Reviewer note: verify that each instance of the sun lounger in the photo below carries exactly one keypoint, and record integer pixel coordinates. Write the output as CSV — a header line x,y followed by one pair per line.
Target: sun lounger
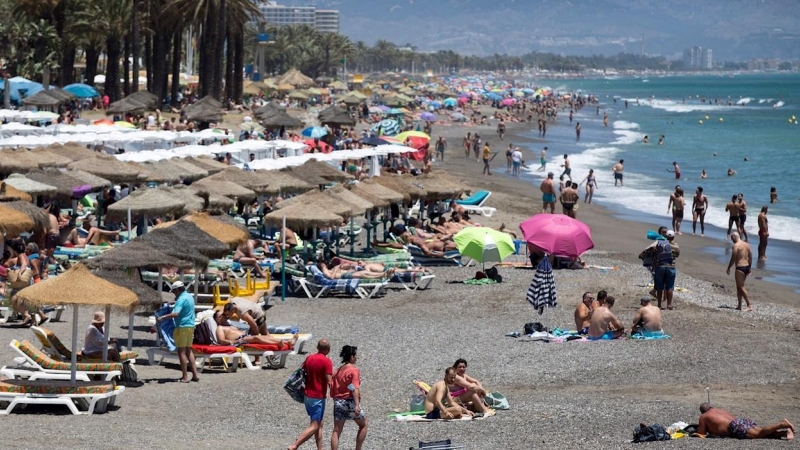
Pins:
x,y
413,281
33,360
82,398
474,204
449,259
53,346
315,285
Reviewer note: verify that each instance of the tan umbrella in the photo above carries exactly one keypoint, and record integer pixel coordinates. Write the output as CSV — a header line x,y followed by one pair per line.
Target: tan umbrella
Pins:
x,y
223,232
30,187
223,188
96,182
72,150
404,184
322,170
337,85
440,186
284,87
41,219
295,78
189,170
47,158
319,201
379,191
184,237
9,193
176,171
252,89
283,182
62,182
17,161
209,164
299,217
134,254
145,202
194,201
249,180
361,203
150,174
108,167
13,222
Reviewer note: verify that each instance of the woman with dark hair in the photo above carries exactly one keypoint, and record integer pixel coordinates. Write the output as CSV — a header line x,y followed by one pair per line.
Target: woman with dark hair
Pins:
x,y
467,389
346,395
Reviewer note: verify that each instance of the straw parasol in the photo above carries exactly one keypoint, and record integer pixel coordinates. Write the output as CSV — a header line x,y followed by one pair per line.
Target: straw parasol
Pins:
x,y
17,161
43,98
170,243
298,95
13,222
62,182
189,171
319,169
207,109
377,190
279,119
360,204
285,87
199,201
28,186
337,85
71,150
134,254
228,220
283,182
246,179
9,193
223,188
270,108
209,164
223,232
145,202
296,78
404,184
108,167
185,236
148,172
300,217
319,201
440,186
96,182
47,158
41,219
147,295
170,169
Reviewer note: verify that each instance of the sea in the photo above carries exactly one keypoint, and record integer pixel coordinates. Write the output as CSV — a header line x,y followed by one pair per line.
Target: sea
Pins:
x,y
749,123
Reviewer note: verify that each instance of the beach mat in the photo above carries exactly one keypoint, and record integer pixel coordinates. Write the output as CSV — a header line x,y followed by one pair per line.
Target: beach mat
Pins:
x,y
415,417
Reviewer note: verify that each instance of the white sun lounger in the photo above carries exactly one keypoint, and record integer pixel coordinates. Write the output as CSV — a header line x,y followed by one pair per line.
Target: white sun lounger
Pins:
x,y
45,367
49,392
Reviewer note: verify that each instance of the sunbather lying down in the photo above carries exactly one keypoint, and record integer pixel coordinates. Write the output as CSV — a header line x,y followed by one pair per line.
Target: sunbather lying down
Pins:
x,y
96,236
338,273
227,334
348,265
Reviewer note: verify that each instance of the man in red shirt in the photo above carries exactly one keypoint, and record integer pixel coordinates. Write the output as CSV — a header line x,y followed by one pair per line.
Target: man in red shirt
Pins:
x,y
319,370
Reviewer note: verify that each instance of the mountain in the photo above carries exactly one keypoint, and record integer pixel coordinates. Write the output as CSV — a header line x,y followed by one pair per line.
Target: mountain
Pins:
x,y
734,29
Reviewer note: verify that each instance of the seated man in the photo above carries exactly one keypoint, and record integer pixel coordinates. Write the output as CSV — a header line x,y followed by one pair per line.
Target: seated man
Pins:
x,y
583,313
468,390
95,340
647,320
249,313
246,256
439,404
339,273
718,422
604,324
96,235
227,334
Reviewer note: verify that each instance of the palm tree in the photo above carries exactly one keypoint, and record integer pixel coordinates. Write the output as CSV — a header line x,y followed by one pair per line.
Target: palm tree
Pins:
x,y
111,18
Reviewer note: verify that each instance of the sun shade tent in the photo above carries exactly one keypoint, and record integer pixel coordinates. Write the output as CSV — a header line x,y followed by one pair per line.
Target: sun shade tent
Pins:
x,y
283,182
13,222
379,191
107,167
299,217
9,193
207,109
135,254
249,180
41,219
296,78
403,184
29,186
145,202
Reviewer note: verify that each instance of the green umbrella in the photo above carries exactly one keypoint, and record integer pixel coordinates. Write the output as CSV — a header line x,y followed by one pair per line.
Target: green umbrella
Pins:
x,y
484,244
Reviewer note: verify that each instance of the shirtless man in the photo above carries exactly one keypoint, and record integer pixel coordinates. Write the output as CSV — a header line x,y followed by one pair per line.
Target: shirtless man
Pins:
x,y
763,234
245,255
618,170
699,208
677,169
742,256
604,324
733,215
677,203
226,334
583,313
567,170
543,160
718,422
340,273
53,233
647,319
439,404
548,189
96,236
742,216
569,197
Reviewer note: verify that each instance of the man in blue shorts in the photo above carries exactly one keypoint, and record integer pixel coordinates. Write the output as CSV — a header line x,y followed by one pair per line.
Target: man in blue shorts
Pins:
x,y
548,189
319,371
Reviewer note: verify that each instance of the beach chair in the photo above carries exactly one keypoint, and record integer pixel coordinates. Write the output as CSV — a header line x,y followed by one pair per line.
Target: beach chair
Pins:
x,y
82,398
451,258
33,364
474,204
316,284
53,346
413,281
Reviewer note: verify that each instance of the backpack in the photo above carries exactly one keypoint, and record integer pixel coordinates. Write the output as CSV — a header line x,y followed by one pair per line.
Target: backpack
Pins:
x,y
664,253
652,433
496,400
202,334
295,385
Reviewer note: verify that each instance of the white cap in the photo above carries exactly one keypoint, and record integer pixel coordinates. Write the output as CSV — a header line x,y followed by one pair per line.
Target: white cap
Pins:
x,y
177,285
670,234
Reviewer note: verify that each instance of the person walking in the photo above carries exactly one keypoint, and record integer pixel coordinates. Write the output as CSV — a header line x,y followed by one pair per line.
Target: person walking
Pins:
x,y
183,313
441,145
487,152
346,395
742,257
763,234
319,371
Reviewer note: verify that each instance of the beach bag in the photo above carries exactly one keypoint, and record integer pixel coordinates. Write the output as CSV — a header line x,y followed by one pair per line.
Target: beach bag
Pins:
x,y
295,386
416,403
202,334
496,400
19,280
533,327
129,374
652,433
492,274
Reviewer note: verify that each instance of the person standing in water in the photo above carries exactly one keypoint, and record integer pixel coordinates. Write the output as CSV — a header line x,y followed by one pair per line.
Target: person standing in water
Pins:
x,y
618,169
543,160
699,207
578,131
677,204
591,183
763,234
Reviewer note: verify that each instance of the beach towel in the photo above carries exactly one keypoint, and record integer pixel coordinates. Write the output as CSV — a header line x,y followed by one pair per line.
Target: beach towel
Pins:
x,y
283,329
650,335
166,328
348,286
411,417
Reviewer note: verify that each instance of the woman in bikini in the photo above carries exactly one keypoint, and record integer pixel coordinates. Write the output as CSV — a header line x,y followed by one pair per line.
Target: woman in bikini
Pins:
x,y
467,390
591,183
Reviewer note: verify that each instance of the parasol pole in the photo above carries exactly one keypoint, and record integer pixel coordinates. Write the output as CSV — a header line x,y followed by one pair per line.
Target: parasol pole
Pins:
x,y
74,360
352,236
130,331
130,223
283,259
160,293
106,332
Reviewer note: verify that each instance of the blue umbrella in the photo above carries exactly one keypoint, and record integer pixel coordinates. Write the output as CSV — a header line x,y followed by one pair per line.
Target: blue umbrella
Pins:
x,y
395,111
427,116
315,132
81,90
450,102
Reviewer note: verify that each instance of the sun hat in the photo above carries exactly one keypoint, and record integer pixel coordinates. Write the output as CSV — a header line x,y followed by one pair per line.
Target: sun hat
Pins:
x,y
99,317
177,285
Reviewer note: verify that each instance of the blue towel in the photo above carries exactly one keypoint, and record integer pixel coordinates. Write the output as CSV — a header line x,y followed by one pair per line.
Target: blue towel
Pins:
x,y
650,335
348,286
283,329
166,328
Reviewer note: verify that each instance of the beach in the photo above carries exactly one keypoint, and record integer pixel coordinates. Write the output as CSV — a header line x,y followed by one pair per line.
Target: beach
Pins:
x,y
562,395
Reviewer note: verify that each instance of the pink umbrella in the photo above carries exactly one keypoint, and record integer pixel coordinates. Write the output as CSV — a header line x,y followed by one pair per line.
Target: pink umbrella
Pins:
x,y
508,101
557,234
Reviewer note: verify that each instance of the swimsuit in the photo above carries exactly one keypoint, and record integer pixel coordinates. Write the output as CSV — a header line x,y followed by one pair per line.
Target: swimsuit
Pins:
x,y
568,206
742,218
607,336
617,175
677,212
738,427
434,414
549,198
590,182
744,269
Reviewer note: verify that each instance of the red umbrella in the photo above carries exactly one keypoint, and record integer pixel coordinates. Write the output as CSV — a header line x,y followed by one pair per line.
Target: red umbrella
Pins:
x,y
320,145
557,234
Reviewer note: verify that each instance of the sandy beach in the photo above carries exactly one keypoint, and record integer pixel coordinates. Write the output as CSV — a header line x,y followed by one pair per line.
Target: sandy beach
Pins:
x,y
561,395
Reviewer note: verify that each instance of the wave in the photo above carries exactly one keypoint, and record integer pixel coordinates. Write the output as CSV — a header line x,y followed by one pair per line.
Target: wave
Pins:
x,y
762,100
625,125
671,106
778,105
626,137
744,101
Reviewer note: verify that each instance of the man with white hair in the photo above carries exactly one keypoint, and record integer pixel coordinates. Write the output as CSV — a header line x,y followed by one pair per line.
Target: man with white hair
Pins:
x,y
742,256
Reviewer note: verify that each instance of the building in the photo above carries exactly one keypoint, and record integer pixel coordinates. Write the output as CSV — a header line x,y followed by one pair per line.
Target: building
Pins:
x,y
698,58
324,20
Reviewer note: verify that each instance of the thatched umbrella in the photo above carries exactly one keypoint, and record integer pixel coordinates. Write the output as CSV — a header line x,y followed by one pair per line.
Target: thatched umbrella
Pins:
x,y
199,201
246,179
300,217
43,99
47,158
138,101
337,85
284,87
269,109
29,186
95,181
227,234
223,188
352,100
108,167
149,173
41,219
62,182
145,202
228,220
280,119
188,171
319,201
209,164
405,184
71,150
296,79
298,95
377,190
147,295
134,255
361,203
440,186
283,182
307,176
170,243
207,109
9,193
187,237
17,161
77,286
13,222
322,170
337,119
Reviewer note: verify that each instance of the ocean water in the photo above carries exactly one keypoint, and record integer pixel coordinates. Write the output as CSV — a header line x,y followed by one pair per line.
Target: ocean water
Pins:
x,y
754,121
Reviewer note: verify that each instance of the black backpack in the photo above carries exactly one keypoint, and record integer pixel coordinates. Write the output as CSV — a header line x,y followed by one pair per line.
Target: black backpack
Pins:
x,y
652,433
202,334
